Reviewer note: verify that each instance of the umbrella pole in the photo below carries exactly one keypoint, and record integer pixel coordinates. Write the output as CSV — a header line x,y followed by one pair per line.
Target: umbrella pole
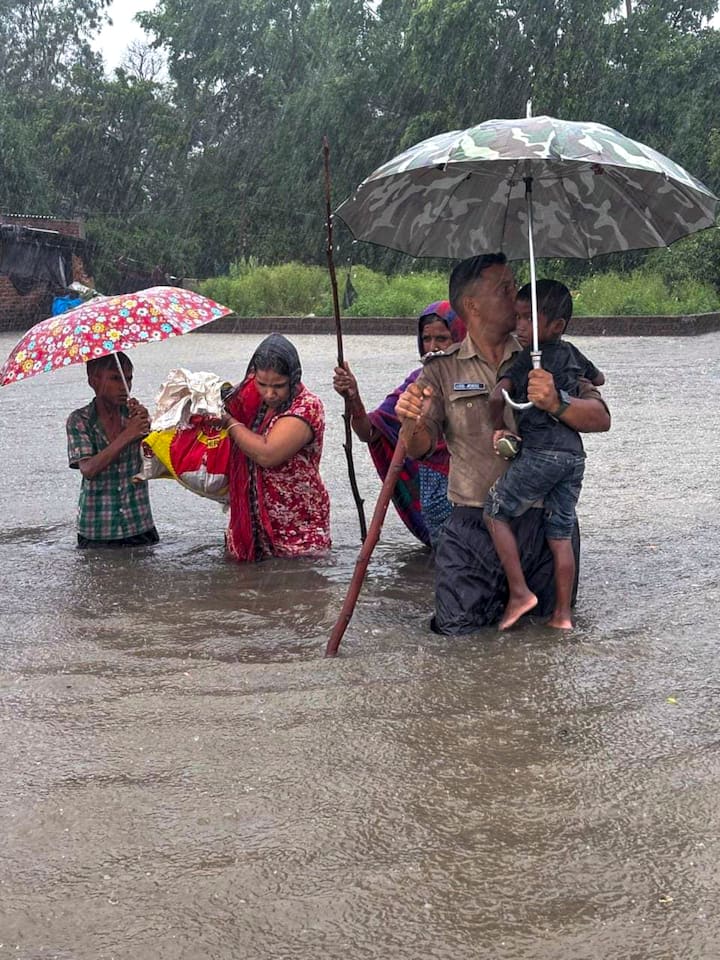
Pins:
x,y
361,564
347,446
122,374
535,353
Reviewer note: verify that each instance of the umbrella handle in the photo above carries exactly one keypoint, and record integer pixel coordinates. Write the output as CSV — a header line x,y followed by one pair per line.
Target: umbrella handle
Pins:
x,y
122,374
535,354
516,406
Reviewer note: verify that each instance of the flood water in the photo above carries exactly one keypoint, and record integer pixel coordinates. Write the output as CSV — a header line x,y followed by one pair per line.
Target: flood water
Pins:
x,y
184,775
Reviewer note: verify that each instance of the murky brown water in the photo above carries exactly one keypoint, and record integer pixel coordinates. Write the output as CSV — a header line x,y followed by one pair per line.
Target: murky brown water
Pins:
x,y
185,776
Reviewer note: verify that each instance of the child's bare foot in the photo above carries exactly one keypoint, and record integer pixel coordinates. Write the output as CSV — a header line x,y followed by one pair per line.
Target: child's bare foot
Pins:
x,y
560,621
517,606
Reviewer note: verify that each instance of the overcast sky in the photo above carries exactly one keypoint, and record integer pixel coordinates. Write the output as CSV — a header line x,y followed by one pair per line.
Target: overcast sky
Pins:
x,y
113,41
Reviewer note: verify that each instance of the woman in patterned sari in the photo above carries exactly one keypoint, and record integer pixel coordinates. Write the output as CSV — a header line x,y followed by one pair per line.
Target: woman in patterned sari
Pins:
x,y
279,506
420,496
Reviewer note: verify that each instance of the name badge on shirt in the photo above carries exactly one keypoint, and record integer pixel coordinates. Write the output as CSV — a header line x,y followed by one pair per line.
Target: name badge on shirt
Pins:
x,y
459,387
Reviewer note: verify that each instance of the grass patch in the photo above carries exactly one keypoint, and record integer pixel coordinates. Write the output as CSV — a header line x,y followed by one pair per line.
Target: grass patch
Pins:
x,y
403,295
299,290
643,293
286,290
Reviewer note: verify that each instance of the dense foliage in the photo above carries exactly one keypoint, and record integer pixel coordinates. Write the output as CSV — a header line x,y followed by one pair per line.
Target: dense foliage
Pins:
x,y
211,155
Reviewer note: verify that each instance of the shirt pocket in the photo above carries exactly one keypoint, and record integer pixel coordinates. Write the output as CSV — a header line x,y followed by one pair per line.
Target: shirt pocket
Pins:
x,y
469,398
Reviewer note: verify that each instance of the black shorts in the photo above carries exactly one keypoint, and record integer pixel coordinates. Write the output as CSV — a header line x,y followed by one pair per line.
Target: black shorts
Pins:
x,y
139,540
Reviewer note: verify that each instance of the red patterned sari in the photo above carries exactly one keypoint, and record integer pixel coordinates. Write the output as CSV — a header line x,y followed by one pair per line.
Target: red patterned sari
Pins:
x,y
281,511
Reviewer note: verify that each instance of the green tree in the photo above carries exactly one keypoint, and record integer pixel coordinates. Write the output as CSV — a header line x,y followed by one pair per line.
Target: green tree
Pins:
x,y
116,145
221,160
24,182
42,40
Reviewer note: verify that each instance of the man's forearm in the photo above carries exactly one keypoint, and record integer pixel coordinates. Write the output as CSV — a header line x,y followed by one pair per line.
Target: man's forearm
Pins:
x,y
587,416
417,438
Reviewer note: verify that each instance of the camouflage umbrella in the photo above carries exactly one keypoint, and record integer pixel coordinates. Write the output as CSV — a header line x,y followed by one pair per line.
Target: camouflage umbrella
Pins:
x,y
534,187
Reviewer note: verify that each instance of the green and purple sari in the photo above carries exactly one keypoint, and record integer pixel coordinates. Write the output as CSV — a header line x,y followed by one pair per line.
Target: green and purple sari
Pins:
x,y
420,496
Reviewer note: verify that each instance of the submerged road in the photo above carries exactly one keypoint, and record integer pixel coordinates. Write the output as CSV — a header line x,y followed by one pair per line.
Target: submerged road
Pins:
x,y
184,776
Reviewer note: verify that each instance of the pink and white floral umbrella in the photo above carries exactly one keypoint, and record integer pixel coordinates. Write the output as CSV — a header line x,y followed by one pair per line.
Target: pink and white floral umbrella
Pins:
x,y
108,325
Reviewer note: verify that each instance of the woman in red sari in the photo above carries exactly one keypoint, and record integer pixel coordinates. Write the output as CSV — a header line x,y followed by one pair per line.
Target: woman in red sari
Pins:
x,y
279,506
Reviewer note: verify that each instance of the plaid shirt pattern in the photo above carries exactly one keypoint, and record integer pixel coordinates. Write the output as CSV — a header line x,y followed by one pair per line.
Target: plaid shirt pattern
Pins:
x,y
111,506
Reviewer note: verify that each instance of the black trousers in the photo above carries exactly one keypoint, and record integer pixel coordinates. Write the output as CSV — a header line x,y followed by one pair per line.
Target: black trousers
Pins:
x,y
139,540
470,585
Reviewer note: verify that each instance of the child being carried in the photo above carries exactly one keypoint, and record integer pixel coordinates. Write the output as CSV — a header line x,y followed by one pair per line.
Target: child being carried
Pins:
x,y
551,462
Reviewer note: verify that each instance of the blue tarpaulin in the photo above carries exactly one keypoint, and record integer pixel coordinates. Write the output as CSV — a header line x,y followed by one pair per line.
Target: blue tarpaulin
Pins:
x,y
61,304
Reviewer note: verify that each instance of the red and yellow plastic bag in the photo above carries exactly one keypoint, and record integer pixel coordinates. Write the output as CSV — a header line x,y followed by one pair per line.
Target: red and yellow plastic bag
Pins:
x,y
196,455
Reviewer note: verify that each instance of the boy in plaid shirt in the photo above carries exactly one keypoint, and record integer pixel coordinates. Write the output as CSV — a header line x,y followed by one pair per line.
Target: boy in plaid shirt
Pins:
x,y
104,444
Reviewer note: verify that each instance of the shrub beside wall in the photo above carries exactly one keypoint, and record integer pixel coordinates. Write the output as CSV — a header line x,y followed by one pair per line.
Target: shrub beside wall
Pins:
x,y
297,290
641,294
286,290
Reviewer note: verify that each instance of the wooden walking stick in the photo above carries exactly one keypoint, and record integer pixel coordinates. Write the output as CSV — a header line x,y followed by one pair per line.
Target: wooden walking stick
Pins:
x,y
361,564
347,446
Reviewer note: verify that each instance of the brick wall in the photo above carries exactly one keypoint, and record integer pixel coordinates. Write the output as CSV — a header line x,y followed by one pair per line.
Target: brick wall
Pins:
x,y
644,326
19,312
407,326
68,228
79,272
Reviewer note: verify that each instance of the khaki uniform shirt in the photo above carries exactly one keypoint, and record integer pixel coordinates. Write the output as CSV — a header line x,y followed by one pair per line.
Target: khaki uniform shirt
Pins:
x,y
462,381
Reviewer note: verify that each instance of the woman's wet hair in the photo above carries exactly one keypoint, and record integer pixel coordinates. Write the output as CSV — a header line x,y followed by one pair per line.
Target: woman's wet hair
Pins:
x,y
467,271
553,299
278,354
109,362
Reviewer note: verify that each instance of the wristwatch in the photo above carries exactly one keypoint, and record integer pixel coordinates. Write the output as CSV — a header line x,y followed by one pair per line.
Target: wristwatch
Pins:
x,y
562,406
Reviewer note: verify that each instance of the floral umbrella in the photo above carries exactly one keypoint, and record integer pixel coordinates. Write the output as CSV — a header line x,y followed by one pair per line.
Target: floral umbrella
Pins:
x,y
107,325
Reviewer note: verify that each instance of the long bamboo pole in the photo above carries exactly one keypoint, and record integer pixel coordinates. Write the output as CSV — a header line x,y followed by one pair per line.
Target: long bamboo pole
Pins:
x,y
347,446
361,564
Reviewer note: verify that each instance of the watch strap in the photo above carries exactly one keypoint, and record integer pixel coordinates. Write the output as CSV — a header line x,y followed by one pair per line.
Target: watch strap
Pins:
x,y
562,406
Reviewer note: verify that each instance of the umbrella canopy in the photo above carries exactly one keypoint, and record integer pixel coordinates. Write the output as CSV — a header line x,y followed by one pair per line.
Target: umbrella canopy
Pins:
x,y
463,193
108,325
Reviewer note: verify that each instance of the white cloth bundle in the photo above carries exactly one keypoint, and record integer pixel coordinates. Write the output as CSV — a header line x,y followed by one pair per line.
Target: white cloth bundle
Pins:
x,y
185,394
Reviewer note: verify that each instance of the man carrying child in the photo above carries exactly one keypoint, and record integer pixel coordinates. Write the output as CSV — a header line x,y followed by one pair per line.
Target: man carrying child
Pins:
x,y
551,462
450,401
